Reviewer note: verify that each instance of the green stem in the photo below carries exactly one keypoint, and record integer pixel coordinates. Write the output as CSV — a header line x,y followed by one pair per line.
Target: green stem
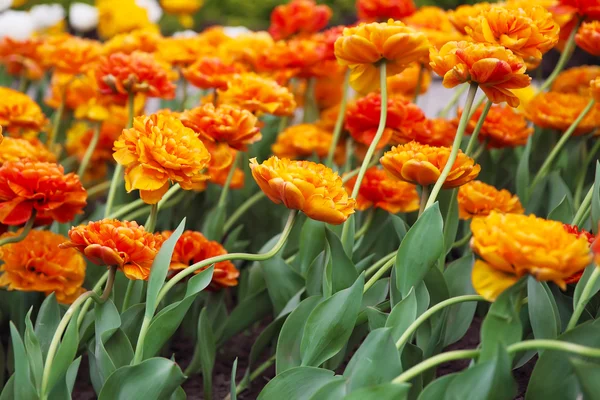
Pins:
x,y
475,134
151,221
23,84
140,212
255,374
433,362
455,98
56,120
462,241
375,267
583,299
339,122
389,264
582,173
128,294
464,119
420,77
184,96
225,190
424,198
366,224
97,189
90,150
354,172
98,290
134,205
563,139
423,317
371,150
310,107
24,232
283,123
564,57
583,208
255,198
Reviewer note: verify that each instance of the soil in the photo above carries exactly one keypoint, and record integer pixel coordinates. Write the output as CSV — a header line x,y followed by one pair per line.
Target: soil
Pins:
x,y
239,347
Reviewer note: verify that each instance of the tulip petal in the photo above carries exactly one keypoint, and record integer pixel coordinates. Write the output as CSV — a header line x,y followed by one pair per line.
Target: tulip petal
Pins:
x,y
490,282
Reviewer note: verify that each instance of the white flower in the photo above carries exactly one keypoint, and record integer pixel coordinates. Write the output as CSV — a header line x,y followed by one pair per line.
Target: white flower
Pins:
x,y
83,17
18,25
5,5
235,31
185,34
153,9
47,15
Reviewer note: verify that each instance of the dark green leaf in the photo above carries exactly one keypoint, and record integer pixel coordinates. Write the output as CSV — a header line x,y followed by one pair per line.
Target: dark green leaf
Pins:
x,y
336,389
245,314
438,389
375,317
66,353
282,281
153,379
523,173
206,351
563,212
298,383
387,391
330,325
178,394
8,392
23,388
46,322
349,242
343,271
399,226
588,375
34,352
596,200
312,243
403,314
375,362
420,249
314,276
543,312
376,294
63,390
459,316
411,356
213,225
132,321
451,222
558,190
232,387
583,282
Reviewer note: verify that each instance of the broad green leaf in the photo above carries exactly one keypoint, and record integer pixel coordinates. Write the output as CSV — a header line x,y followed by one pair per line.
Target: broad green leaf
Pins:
x,y
582,283
23,387
342,270
588,375
558,191
411,356
34,352
365,263
543,312
420,249
66,353
206,351
315,274
288,345
403,314
459,316
232,386
213,225
132,320
523,174
387,391
563,212
178,394
436,286
46,322
336,389
437,389
298,383
245,314
282,281
451,222
376,294
63,390
349,242
159,269
399,226
107,320
375,317
330,325
152,379
596,200
375,362
8,392
312,243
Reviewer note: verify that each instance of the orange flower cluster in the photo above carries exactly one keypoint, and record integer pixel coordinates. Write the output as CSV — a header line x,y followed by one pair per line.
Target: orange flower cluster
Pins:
x,y
423,164
503,127
15,149
576,80
110,242
462,15
298,17
327,39
296,57
403,119
588,37
306,186
574,230
36,264
496,69
257,94
405,83
26,186
223,124
513,245
380,191
477,199
222,159
192,247
69,54
435,23
585,8
122,74
19,114
382,10
211,73
158,150
78,92
246,48
302,140
183,51
364,47
22,57
145,40
595,89
435,132
559,110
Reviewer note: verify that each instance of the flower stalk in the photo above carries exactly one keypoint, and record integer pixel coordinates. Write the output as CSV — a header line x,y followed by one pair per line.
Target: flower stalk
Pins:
x,y
480,122
223,197
241,210
339,122
23,234
564,58
583,299
90,150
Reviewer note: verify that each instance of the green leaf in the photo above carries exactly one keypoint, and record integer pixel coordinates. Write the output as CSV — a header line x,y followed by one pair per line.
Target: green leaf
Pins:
x,y
342,270
152,379
206,350
399,226
437,389
459,316
563,212
411,356
543,312
263,340
330,325
232,387
64,390
376,318
420,249
596,200
376,294
582,283
23,387
375,362
403,315
178,394
8,392
159,269
46,322
288,345
558,190
315,274
451,222
588,375
282,281
312,243
336,389
523,174
107,320
132,320
348,244
247,312
298,383
66,353
34,352
387,391
213,225
502,324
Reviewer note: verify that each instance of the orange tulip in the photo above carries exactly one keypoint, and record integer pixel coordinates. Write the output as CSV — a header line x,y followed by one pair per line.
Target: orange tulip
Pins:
x,y
363,47
22,57
495,69
15,149
405,83
145,40
123,244
559,110
298,17
192,247
462,15
246,48
36,264
382,10
380,191
588,37
576,80
296,57
211,73
503,127
303,140
19,114
70,55
158,150
435,132
327,39
306,186
585,8
435,23
572,229
595,89
182,51
477,199
422,164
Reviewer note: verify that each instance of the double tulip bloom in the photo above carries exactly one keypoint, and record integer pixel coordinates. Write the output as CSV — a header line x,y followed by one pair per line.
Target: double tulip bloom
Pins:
x,y
478,199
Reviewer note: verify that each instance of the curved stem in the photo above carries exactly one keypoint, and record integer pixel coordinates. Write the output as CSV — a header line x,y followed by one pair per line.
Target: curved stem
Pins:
x,y
375,267
435,361
151,221
98,189
24,232
564,57
56,119
439,306
140,212
225,190
389,264
583,208
462,241
97,289
419,82
90,150
457,93
128,294
475,134
366,224
583,299
582,173
339,122
563,139
464,119
424,198
255,198
372,146
134,205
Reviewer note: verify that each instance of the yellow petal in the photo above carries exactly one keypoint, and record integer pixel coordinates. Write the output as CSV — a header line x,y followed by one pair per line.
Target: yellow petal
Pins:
x,y
490,282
